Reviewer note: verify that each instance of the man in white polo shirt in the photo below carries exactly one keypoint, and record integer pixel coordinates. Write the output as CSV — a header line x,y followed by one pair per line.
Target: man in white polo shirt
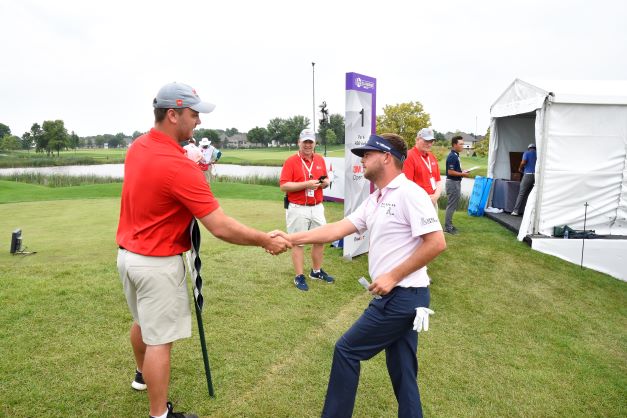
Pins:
x,y
405,235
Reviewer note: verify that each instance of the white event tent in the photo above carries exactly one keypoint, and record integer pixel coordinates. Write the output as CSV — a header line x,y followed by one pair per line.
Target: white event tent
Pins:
x,y
580,130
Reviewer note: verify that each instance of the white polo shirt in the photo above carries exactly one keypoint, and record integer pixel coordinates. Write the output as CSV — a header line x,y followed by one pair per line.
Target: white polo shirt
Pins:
x,y
396,222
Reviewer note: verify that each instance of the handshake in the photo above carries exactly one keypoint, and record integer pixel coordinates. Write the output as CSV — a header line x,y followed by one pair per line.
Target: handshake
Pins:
x,y
278,242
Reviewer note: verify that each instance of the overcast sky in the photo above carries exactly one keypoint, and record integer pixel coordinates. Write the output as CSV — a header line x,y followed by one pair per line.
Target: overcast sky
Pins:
x,y
98,64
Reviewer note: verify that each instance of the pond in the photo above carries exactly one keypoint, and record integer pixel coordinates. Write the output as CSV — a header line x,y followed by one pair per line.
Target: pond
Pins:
x,y
117,171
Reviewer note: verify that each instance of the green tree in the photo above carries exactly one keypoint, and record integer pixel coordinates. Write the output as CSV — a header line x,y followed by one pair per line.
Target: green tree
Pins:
x,y
56,135
323,127
295,125
336,123
330,137
4,130
87,142
41,140
27,141
99,141
258,135
211,134
482,148
440,139
277,130
230,132
10,143
122,139
404,119
136,135
73,141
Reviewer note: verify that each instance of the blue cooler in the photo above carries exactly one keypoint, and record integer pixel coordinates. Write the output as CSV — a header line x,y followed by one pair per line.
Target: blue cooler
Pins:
x,y
479,197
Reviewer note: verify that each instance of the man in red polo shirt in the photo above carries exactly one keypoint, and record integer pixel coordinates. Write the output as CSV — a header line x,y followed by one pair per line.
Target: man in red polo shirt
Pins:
x,y
162,191
303,177
421,166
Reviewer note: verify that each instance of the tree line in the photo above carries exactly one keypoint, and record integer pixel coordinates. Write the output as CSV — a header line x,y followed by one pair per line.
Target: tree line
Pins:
x,y
404,119
280,131
52,136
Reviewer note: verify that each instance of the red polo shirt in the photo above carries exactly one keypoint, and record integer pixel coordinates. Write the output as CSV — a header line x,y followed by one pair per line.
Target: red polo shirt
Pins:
x,y
416,169
297,170
162,191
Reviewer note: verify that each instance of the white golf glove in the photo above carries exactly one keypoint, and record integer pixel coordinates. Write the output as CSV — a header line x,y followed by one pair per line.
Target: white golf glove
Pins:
x,y
422,319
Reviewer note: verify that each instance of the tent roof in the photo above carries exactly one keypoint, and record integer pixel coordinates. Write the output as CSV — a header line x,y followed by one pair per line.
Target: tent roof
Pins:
x,y
526,96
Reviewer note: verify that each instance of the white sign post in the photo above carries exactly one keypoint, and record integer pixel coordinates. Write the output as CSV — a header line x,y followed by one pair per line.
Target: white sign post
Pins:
x,y
360,123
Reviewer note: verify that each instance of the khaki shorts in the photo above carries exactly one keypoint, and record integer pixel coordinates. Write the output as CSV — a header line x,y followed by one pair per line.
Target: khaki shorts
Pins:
x,y
156,295
303,218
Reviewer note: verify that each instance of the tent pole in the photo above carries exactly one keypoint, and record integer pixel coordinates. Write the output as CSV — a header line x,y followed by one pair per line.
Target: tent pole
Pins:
x,y
539,184
583,241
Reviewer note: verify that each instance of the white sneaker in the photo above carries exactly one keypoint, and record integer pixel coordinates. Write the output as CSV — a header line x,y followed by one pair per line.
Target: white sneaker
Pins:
x,y
138,383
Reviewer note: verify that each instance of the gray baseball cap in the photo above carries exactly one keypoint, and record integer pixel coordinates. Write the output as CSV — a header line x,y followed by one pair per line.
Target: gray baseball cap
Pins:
x,y
179,96
426,134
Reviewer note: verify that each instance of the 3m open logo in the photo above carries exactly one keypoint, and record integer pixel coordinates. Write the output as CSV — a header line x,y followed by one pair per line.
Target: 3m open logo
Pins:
x,y
364,84
427,221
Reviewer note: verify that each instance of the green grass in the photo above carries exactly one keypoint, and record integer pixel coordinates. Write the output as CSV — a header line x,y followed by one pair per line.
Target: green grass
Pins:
x,y
12,192
516,333
271,156
57,180
78,157
441,152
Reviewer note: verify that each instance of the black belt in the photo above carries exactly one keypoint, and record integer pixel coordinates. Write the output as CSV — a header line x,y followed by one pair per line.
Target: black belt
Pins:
x,y
306,204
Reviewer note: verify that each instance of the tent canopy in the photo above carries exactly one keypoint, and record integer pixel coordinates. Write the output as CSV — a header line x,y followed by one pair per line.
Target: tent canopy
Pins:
x,y
523,97
580,129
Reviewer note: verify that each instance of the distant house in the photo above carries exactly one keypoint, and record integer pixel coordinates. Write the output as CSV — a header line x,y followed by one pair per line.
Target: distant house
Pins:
x,y
238,140
469,139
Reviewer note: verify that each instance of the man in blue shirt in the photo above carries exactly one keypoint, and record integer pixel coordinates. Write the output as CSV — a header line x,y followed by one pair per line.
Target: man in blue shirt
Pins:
x,y
528,168
454,175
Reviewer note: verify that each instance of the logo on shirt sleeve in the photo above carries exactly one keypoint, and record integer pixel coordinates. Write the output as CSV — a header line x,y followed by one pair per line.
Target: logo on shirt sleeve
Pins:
x,y
428,221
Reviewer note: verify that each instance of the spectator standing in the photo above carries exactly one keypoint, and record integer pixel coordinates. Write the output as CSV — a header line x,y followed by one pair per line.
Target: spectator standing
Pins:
x,y
454,175
421,165
528,169
303,177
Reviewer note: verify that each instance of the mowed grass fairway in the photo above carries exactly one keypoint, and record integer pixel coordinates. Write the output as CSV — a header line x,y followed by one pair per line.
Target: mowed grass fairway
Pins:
x,y
516,333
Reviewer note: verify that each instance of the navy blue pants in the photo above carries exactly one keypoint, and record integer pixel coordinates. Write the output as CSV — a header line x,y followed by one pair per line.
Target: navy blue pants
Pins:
x,y
387,324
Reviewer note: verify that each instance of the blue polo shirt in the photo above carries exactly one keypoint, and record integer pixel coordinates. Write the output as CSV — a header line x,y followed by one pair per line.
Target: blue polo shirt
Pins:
x,y
530,158
452,163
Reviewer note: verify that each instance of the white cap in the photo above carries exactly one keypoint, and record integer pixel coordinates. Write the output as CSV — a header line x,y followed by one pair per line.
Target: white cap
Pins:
x,y
426,134
307,135
204,142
